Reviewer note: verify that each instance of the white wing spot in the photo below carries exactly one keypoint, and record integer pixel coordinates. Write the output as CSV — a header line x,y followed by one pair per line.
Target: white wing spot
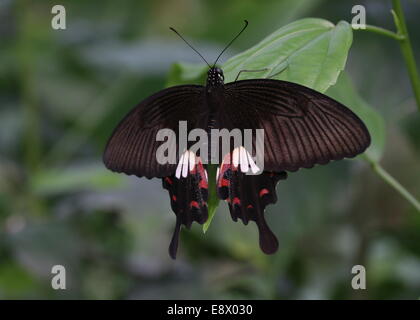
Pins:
x,y
192,160
186,163
242,157
179,167
235,157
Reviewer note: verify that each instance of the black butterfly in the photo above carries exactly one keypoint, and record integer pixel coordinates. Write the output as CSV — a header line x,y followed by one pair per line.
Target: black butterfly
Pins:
x,y
302,127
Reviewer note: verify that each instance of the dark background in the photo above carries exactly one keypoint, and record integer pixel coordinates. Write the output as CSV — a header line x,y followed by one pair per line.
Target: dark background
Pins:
x,y
63,91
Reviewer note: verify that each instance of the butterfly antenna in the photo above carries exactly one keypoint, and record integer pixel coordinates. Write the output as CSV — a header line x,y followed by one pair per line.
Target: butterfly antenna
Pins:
x,y
190,46
244,27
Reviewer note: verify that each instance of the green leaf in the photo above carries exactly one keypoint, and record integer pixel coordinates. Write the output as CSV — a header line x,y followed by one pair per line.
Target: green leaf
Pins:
x,y
186,73
345,92
213,199
312,52
60,180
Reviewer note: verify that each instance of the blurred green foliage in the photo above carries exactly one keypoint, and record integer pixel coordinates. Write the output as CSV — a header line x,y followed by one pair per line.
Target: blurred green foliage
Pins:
x,y
63,91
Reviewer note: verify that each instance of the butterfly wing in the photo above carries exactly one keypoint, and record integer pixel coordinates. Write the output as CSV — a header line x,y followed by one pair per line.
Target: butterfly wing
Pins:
x,y
132,147
302,127
188,194
247,196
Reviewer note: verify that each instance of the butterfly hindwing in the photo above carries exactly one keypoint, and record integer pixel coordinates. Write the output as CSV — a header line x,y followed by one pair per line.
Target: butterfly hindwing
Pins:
x,y
188,192
132,147
247,196
302,127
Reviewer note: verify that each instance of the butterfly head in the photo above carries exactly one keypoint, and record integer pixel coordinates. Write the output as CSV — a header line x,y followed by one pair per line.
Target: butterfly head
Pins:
x,y
215,77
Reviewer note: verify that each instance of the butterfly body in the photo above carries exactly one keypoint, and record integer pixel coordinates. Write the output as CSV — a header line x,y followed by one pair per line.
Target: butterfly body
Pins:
x,y
214,91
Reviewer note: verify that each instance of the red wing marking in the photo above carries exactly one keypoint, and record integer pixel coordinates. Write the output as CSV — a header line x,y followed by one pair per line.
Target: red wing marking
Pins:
x,y
236,200
263,192
194,204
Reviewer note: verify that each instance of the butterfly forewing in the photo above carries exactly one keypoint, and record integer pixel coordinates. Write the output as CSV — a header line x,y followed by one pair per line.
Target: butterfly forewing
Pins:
x,y
302,127
132,147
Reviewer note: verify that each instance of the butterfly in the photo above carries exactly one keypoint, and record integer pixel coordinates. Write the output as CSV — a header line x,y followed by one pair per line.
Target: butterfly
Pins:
x,y
302,128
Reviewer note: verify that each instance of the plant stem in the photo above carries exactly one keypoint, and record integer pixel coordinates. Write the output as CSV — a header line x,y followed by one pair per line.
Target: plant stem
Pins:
x,y
31,117
383,31
213,200
396,185
406,49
